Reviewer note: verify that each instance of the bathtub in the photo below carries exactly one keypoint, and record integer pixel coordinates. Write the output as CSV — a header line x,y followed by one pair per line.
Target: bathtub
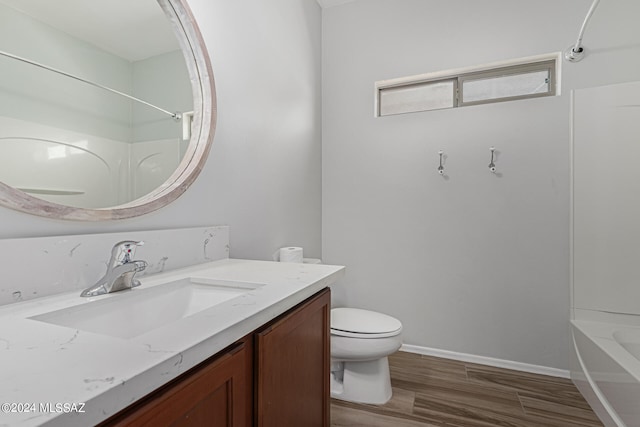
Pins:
x,y
606,368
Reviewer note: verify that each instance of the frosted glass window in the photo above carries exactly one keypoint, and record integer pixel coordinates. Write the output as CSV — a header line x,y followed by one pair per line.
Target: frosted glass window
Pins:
x,y
417,97
506,86
475,85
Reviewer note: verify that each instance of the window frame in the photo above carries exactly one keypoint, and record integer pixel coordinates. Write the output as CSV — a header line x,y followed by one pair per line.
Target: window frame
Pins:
x,y
548,62
512,70
454,95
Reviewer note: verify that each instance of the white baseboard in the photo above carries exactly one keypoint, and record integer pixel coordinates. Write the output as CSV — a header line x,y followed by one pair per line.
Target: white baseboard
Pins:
x,y
490,361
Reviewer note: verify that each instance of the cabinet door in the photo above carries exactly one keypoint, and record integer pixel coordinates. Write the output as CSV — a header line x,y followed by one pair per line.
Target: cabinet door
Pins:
x,y
292,367
216,393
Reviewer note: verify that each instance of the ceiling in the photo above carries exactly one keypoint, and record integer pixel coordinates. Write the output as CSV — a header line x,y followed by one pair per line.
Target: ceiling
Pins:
x,y
132,30
331,3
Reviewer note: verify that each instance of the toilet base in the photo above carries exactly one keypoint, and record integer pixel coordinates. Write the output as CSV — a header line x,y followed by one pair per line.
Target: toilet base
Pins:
x,y
362,382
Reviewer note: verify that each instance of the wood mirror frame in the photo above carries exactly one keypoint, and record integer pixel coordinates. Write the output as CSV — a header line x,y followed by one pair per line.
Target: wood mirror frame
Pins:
x,y
203,129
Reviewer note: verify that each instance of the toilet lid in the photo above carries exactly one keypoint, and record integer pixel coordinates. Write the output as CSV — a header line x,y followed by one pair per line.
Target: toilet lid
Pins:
x,y
354,321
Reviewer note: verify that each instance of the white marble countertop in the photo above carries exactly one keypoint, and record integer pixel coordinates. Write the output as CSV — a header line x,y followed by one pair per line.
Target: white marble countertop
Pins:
x,y
50,371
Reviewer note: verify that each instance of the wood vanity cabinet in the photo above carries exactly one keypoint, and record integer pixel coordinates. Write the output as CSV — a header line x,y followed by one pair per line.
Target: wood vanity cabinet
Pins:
x,y
215,393
292,358
277,376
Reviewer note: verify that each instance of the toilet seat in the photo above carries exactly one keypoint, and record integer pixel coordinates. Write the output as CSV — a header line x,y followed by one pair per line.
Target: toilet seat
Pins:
x,y
358,323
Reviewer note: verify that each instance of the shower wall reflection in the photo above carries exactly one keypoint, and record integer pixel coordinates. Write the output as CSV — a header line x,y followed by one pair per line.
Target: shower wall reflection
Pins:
x,y
67,142
78,169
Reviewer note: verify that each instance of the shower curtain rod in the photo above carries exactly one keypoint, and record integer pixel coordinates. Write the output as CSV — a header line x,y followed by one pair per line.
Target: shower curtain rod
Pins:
x,y
176,115
575,53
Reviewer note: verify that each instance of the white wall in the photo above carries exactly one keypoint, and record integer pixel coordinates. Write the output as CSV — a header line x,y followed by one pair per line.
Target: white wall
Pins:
x,y
477,263
263,174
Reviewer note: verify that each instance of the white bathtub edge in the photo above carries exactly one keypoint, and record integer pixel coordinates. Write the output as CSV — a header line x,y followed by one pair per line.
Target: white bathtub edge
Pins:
x,y
592,393
490,361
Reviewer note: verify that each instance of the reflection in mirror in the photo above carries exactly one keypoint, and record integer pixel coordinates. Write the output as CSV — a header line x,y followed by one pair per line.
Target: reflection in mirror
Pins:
x,y
94,101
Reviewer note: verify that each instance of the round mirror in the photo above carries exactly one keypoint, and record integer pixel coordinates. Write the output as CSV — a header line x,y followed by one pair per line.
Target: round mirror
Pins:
x,y
105,112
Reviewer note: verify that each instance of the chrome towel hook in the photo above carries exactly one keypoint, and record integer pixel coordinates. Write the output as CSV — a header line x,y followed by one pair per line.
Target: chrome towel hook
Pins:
x,y
441,168
492,165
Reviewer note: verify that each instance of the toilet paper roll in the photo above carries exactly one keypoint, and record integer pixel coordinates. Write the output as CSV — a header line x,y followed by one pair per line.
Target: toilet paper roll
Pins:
x,y
291,254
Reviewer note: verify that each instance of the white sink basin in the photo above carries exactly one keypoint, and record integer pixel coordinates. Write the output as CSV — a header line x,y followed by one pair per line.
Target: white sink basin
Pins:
x,y
127,314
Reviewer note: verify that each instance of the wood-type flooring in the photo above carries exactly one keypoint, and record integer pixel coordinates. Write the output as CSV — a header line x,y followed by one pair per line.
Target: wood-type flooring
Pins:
x,y
435,392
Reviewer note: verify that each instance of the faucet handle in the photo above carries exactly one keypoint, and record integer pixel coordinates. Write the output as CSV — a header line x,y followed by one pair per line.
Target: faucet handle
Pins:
x,y
123,252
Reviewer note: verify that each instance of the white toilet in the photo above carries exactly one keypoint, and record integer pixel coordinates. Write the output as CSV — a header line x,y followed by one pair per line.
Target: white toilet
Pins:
x,y
361,340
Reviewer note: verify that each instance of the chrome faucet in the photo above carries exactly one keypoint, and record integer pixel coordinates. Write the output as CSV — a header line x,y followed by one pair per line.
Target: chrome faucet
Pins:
x,y
120,270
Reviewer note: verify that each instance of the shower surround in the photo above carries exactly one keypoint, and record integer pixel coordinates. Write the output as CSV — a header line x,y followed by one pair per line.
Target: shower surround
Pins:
x,y
605,234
